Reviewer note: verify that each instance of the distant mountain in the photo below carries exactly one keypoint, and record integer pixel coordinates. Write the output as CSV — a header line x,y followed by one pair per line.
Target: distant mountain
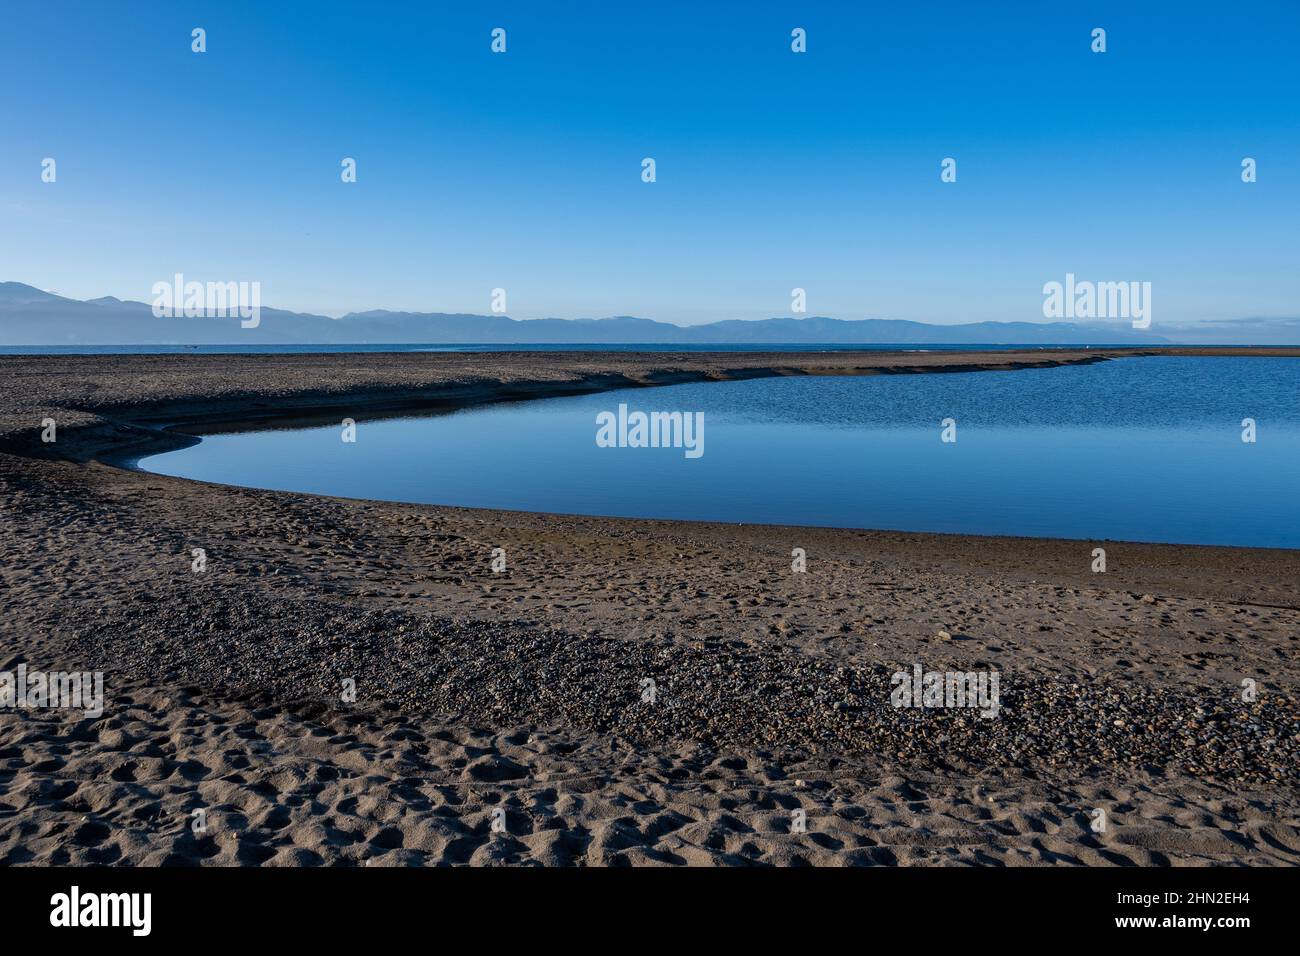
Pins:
x,y
1279,331
29,316
819,330
15,293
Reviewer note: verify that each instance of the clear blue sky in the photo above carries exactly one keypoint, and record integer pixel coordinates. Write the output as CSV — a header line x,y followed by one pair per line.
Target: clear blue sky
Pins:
x,y
775,170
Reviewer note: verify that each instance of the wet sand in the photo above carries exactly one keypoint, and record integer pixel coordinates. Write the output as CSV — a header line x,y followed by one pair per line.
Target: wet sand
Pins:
x,y
482,692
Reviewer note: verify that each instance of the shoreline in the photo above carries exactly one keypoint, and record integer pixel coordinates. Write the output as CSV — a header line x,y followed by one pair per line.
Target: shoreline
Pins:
x,y
1121,690
168,429
137,426
159,422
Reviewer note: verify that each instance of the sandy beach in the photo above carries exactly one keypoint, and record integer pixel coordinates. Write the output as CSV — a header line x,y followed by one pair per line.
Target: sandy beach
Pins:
x,y
523,692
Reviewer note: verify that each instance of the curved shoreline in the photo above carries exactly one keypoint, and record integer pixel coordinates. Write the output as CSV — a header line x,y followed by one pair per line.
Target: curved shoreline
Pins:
x,y
121,428
157,426
167,431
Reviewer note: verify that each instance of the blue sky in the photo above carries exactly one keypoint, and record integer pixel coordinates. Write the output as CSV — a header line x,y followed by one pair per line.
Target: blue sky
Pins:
x,y
775,170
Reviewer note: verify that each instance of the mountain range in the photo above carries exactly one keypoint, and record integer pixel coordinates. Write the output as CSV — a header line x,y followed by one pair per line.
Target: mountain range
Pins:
x,y
29,316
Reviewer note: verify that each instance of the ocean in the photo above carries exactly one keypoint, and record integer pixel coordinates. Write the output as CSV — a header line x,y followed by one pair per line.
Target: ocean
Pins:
x,y
1195,450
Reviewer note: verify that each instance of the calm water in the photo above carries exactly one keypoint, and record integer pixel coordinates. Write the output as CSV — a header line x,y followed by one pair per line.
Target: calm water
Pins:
x,y
1143,449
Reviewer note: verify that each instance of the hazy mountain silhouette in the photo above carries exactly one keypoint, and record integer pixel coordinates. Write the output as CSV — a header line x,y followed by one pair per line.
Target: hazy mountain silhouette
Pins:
x,y
29,316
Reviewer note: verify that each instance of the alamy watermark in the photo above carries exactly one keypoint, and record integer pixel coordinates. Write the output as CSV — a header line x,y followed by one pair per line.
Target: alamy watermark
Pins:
x,y
977,690
74,908
208,300
626,429
1098,300
75,690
